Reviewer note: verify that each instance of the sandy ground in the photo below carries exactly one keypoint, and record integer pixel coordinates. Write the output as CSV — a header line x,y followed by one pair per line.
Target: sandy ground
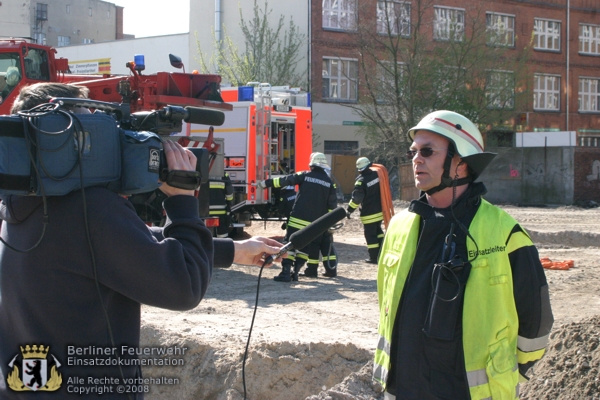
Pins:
x,y
315,338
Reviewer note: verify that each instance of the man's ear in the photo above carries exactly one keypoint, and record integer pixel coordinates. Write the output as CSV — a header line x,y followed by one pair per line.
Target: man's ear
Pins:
x,y
463,165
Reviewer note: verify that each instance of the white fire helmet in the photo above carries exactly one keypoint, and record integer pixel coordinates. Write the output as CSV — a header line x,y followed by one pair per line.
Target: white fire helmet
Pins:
x,y
362,163
318,160
12,76
463,133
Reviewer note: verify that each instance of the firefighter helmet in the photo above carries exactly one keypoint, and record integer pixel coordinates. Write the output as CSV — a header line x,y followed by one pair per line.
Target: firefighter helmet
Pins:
x,y
362,163
461,132
12,76
318,160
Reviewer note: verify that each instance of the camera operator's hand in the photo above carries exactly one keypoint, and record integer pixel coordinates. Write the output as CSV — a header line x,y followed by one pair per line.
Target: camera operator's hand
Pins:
x,y
254,251
178,158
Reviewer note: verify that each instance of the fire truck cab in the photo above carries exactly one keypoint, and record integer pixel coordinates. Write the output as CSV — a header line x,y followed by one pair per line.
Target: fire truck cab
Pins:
x,y
267,134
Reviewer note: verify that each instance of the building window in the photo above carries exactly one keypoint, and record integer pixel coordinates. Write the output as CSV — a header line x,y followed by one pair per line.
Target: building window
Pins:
x,y
589,141
546,92
64,41
40,38
108,14
347,147
68,9
589,39
340,78
546,35
500,29
41,12
339,14
393,17
90,11
589,95
87,41
500,90
449,23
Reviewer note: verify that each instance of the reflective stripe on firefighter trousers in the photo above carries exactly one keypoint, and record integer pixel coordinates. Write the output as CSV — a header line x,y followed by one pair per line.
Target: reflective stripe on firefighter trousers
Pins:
x,y
369,219
490,349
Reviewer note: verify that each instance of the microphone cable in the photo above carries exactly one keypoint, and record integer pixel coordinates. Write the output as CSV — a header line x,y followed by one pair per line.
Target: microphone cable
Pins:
x,y
251,326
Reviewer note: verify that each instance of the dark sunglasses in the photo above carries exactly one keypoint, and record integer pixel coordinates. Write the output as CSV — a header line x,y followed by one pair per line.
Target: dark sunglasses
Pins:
x,y
425,152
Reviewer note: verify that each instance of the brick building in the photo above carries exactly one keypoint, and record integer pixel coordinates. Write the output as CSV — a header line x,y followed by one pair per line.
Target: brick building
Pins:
x,y
562,68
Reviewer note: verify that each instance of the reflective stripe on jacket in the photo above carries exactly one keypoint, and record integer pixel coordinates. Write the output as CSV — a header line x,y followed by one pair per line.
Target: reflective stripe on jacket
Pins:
x,y
491,345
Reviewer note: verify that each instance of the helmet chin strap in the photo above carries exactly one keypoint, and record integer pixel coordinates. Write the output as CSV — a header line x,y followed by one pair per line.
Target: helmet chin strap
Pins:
x,y
446,180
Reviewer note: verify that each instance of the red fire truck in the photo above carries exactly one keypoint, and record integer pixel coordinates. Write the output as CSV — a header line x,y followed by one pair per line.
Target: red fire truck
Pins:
x,y
267,130
267,134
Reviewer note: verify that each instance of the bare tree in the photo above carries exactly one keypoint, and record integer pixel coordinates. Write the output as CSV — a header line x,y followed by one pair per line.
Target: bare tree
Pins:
x,y
466,68
270,54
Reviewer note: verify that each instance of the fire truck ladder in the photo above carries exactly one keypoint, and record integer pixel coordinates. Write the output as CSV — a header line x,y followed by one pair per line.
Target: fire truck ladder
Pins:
x,y
267,147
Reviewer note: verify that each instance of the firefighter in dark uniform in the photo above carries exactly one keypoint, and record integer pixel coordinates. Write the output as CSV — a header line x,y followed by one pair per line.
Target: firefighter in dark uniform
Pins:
x,y
366,194
287,197
221,200
316,196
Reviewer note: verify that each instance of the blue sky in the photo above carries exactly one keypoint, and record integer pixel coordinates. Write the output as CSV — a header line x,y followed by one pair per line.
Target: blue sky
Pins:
x,y
154,17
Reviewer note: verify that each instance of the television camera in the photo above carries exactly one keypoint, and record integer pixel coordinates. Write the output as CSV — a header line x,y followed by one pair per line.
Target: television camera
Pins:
x,y
52,150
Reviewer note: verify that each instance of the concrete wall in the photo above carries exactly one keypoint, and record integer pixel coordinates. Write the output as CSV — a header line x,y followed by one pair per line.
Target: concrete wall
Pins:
x,y
77,23
155,49
335,122
14,18
531,175
535,176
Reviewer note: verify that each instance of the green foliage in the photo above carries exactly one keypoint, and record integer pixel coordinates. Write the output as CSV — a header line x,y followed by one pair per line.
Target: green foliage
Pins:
x,y
270,54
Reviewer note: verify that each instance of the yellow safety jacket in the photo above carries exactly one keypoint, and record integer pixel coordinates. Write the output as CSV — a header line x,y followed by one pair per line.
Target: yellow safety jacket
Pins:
x,y
492,347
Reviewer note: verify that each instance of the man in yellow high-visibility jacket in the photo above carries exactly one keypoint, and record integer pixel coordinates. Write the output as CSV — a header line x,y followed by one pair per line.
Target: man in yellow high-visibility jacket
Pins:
x,y
464,304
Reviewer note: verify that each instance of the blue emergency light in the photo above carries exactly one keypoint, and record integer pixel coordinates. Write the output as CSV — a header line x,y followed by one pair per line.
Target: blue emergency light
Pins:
x,y
245,93
140,64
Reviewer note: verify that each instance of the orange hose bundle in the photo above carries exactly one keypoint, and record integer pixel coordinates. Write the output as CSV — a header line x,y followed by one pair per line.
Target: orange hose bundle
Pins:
x,y
387,206
560,265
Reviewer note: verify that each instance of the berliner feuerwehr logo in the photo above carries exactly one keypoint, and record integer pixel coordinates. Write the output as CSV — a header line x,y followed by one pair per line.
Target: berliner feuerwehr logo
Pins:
x,y
34,370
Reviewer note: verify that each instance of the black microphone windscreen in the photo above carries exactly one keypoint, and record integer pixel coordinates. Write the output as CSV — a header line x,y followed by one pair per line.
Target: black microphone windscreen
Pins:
x,y
304,236
203,116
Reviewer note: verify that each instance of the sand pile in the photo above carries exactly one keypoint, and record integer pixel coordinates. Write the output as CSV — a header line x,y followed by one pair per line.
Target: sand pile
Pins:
x,y
273,371
569,370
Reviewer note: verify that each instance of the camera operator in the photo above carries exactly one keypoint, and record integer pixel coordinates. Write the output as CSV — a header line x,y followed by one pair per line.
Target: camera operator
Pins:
x,y
82,286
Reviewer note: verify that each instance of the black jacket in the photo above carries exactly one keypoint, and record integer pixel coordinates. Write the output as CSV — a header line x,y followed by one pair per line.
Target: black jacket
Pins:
x,y
62,293
316,195
366,193
427,367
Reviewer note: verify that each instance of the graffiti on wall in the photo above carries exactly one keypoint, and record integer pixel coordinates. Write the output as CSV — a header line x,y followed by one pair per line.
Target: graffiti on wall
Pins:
x,y
595,171
514,173
552,174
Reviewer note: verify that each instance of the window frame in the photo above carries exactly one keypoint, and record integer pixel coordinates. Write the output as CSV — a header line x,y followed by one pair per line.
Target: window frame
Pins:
x,y
489,87
336,14
41,11
401,23
498,31
537,36
546,92
341,78
62,42
347,147
595,94
450,26
591,40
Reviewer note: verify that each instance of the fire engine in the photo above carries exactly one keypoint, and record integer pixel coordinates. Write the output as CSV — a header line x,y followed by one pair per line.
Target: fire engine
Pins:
x,y
267,130
267,134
